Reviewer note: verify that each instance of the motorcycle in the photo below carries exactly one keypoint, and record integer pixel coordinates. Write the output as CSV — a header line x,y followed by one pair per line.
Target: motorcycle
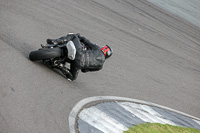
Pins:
x,y
54,55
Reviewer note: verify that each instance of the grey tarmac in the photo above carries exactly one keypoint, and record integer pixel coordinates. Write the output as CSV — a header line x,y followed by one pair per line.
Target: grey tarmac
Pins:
x,y
156,59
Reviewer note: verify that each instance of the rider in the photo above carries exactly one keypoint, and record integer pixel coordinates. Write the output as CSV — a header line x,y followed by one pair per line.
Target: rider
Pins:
x,y
91,59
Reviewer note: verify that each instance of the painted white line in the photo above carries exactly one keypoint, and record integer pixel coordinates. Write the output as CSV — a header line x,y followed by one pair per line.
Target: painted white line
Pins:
x,y
101,121
158,116
196,121
136,113
145,113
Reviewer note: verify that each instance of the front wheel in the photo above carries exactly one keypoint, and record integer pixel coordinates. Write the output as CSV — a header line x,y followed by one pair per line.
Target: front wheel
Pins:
x,y
45,53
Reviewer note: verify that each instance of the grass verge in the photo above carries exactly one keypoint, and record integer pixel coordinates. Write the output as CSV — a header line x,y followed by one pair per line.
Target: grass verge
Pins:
x,y
160,128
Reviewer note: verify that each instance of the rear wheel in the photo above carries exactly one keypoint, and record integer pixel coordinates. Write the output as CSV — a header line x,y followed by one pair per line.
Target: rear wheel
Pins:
x,y
45,53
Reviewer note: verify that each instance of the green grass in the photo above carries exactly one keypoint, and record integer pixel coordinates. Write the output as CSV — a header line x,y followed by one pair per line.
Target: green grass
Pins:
x,y
160,128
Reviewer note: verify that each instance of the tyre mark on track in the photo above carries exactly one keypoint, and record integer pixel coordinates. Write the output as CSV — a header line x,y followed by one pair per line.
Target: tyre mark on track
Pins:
x,y
24,49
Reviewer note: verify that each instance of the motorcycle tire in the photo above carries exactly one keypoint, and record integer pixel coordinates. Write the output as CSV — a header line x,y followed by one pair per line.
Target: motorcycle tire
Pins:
x,y
45,53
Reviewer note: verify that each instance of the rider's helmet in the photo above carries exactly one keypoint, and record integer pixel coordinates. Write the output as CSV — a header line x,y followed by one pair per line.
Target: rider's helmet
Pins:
x,y
107,50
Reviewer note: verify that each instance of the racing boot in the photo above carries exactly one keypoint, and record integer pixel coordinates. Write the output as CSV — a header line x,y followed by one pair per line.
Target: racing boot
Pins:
x,y
67,73
51,41
61,40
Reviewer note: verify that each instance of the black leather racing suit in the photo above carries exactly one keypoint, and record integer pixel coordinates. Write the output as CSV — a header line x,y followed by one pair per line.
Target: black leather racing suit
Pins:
x,y
87,60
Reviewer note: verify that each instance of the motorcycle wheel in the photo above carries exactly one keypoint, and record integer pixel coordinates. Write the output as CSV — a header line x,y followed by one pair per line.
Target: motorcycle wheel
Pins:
x,y
45,53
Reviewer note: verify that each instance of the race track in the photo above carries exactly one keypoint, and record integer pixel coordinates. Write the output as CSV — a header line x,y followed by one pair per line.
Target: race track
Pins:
x,y
156,59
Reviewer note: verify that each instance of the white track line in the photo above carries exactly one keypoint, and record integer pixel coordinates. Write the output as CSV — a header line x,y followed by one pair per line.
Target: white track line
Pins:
x,y
145,113
101,121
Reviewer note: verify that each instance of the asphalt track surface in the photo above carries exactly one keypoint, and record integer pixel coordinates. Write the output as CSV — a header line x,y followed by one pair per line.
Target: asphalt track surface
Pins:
x,y
156,59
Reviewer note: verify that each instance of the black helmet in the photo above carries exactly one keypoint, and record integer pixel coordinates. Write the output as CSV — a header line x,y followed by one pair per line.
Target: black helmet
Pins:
x,y
107,50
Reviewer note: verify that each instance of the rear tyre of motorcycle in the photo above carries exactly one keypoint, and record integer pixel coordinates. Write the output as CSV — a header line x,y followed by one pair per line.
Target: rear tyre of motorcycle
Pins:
x,y
45,53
